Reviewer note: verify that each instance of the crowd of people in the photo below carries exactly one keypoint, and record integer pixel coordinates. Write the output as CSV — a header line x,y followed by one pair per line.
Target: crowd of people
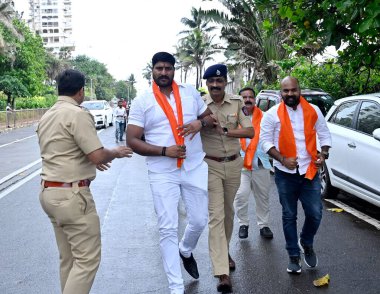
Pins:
x,y
211,151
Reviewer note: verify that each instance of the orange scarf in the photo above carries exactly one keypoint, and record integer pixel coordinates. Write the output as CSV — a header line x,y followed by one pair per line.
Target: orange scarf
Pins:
x,y
287,142
257,115
162,100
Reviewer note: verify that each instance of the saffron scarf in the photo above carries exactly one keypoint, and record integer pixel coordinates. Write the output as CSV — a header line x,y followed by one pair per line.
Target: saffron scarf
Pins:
x,y
257,115
162,100
287,142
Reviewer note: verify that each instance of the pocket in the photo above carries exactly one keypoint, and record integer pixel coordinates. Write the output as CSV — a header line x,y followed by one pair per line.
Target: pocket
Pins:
x,y
232,121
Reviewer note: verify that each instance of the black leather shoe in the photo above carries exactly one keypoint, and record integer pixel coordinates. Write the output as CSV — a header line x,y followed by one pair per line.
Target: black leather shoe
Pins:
x,y
231,263
266,233
190,265
243,232
224,284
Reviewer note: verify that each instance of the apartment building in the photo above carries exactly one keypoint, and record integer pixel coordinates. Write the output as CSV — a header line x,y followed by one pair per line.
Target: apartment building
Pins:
x,y
51,19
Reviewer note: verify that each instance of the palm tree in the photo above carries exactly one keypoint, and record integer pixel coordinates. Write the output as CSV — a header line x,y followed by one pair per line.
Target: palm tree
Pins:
x,y
249,33
147,73
197,22
7,15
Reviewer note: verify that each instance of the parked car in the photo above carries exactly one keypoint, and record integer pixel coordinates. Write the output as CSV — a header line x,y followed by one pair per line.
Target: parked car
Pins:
x,y
354,162
101,111
267,98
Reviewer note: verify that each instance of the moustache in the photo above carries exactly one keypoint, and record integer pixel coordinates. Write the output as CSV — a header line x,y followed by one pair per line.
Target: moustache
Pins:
x,y
248,103
215,88
163,77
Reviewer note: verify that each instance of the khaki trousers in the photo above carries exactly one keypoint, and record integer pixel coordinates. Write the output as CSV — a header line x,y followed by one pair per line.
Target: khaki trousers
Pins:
x,y
258,183
223,183
77,230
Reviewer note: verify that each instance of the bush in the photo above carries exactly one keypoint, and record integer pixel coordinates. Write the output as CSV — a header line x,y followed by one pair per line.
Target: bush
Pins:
x,y
35,102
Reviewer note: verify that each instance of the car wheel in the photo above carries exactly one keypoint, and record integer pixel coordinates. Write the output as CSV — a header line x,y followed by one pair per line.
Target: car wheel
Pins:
x,y
327,190
111,123
105,123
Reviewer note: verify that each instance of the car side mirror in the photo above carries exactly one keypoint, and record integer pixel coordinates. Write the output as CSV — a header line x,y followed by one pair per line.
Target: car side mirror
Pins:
x,y
376,134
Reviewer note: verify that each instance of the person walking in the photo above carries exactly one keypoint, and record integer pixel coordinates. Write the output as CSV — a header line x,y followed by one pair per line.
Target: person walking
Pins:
x,y
222,148
289,133
120,119
70,151
255,175
167,114
9,112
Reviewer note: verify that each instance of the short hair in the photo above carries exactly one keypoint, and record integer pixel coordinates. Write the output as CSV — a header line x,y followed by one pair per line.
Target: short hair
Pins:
x,y
164,57
70,81
246,89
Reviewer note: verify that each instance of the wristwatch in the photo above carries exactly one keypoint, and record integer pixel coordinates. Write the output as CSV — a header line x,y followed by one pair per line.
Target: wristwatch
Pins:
x,y
225,131
325,154
203,123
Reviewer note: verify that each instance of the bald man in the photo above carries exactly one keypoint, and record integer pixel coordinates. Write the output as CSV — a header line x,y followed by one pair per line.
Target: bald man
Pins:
x,y
288,134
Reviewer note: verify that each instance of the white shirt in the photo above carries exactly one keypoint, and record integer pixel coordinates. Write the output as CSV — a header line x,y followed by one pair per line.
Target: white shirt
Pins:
x,y
270,130
120,113
145,112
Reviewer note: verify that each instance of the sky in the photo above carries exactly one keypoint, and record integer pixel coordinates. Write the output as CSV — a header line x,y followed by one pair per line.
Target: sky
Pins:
x,y
124,35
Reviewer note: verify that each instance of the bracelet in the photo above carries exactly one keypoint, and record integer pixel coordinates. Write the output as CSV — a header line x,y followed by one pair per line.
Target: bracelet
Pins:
x,y
163,152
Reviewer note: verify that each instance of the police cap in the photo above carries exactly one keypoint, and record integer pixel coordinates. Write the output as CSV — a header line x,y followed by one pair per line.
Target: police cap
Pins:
x,y
216,70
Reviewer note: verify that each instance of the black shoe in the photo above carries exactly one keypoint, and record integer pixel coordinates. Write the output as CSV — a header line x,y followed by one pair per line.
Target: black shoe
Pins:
x,y
294,266
310,258
266,233
243,232
231,263
224,284
190,265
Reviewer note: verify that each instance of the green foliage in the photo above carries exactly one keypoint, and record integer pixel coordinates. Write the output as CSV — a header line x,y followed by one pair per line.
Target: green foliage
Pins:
x,y
12,87
36,102
97,77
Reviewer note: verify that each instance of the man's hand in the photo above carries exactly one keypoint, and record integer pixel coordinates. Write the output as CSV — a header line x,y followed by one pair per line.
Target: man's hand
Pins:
x,y
320,160
123,151
103,166
191,128
290,162
218,127
176,151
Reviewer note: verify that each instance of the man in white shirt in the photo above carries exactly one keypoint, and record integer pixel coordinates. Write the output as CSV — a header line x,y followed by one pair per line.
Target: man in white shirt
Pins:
x,y
166,114
120,116
288,132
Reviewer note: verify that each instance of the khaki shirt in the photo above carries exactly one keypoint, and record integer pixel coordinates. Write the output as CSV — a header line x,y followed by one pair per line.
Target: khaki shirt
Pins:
x,y
230,115
66,133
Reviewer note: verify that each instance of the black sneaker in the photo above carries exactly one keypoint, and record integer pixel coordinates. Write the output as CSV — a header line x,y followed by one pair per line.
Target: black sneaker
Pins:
x,y
190,265
294,266
309,256
243,232
266,233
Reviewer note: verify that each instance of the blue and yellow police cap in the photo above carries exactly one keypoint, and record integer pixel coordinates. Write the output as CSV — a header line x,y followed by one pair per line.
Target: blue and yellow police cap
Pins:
x,y
216,70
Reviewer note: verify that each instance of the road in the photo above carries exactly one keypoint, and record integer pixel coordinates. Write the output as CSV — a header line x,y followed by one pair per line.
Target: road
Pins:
x,y
347,247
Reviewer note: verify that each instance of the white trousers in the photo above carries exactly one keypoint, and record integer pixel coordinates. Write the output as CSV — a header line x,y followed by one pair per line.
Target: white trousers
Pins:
x,y
256,182
167,188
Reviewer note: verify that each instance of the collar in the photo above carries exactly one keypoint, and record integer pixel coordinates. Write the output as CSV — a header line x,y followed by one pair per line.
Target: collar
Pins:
x,y
180,85
227,98
68,99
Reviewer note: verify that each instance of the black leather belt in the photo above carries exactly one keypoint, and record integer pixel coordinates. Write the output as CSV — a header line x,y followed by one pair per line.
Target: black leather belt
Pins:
x,y
223,159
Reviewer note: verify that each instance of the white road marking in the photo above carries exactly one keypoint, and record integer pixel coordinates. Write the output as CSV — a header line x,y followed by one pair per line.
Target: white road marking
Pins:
x,y
18,140
356,213
19,184
15,173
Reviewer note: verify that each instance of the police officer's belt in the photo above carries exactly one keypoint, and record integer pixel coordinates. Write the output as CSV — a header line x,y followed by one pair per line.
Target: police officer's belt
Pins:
x,y
81,183
223,159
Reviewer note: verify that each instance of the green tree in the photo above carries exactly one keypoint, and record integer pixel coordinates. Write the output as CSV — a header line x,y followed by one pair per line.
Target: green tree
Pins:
x,y
121,89
98,80
12,88
147,73
130,87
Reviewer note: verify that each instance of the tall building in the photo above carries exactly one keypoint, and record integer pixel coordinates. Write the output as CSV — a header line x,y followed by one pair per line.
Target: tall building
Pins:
x,y
51,19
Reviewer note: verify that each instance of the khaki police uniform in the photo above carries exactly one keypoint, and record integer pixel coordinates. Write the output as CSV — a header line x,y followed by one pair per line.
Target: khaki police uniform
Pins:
x,y
66,134
225,164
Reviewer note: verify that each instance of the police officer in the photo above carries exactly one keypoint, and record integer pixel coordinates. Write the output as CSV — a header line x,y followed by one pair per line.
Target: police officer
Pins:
x,y
70,151
222,148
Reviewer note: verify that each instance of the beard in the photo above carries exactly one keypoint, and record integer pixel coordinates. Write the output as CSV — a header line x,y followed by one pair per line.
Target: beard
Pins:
x,y
291,101
164,81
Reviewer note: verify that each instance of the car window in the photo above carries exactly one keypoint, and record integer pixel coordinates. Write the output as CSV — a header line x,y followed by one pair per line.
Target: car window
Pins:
x,y
324,102
263,104
93,105
344,114
271,103
369,117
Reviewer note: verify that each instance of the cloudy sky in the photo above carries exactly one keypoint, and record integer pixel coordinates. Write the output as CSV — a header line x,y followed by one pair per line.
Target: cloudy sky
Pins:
x,y
125,34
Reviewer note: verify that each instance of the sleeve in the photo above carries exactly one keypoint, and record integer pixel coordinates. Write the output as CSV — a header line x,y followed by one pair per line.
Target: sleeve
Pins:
x,y
322,129
200,102
267,128
244,120
136,114
84,132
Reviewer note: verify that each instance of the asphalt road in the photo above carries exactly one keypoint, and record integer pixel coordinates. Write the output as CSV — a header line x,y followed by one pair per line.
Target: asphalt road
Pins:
x,y
347,247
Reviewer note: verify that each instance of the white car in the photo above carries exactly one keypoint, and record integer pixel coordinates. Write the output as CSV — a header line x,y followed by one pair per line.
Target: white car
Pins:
x,y
354,161
101,111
